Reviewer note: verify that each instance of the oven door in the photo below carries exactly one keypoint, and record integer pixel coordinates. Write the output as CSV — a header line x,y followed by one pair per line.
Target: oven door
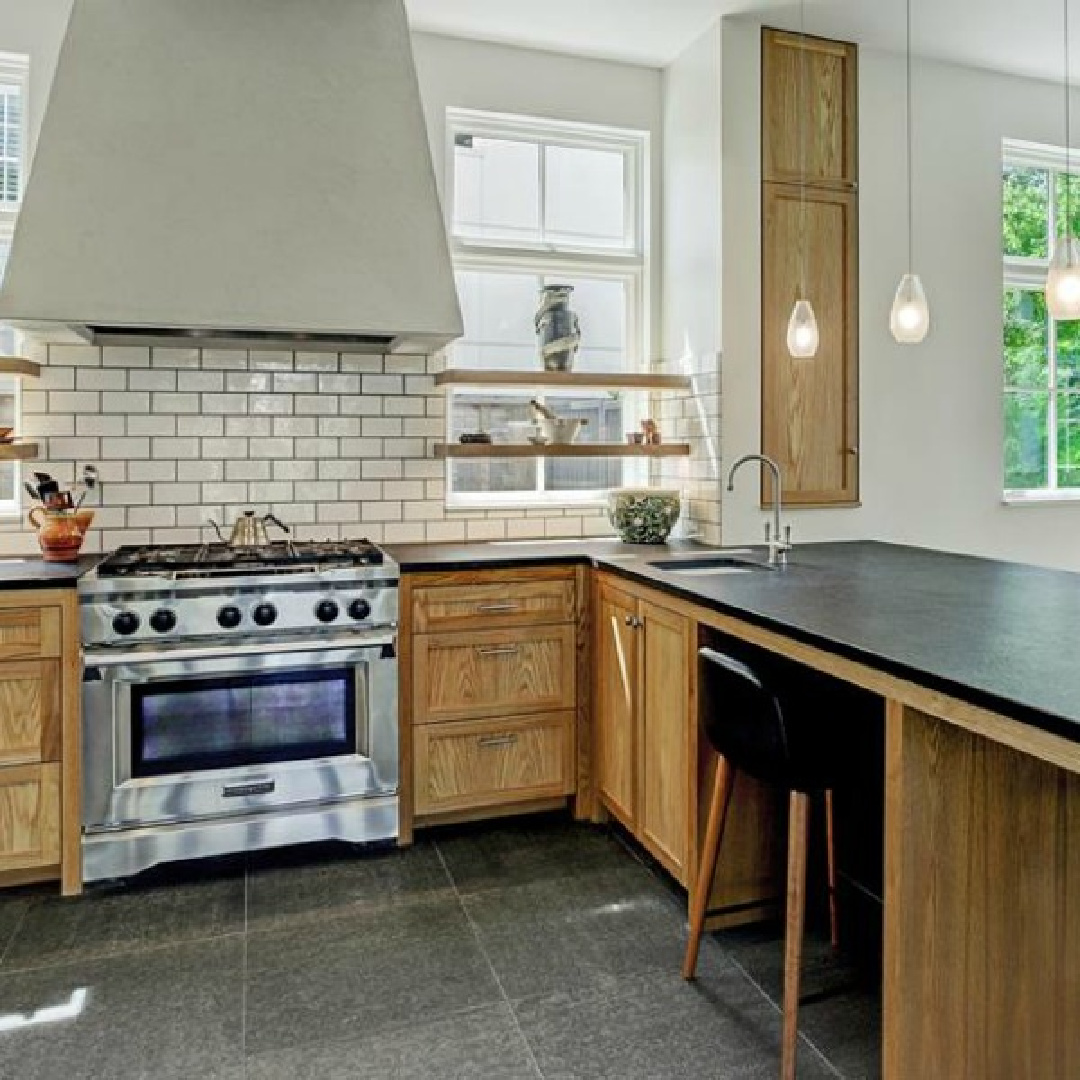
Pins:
x,y
200,733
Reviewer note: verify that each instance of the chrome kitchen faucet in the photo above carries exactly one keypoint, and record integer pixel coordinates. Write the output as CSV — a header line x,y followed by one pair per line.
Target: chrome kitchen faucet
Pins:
x,y
779,546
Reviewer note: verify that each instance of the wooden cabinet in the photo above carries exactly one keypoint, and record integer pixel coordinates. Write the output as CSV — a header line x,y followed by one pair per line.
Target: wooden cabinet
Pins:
x,y
809,239
644,724
489,692
39,738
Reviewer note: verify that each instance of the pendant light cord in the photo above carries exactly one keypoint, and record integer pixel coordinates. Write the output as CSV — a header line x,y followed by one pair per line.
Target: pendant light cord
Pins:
x,y
802,149
1068,231
910,154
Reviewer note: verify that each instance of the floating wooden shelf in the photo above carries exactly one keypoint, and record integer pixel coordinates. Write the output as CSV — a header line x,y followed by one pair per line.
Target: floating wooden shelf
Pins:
x,y
560,450
18,365
18,451
566,380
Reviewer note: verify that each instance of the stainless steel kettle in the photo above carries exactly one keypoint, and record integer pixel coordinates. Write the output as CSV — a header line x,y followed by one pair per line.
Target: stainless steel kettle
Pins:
x,y
249,530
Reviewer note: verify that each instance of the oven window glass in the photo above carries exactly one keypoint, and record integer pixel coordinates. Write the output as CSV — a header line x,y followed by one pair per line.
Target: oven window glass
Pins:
x,y
188,725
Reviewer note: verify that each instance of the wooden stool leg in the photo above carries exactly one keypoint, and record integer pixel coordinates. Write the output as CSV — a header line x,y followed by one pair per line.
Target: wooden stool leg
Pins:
x,y
830,851
723,786
798,833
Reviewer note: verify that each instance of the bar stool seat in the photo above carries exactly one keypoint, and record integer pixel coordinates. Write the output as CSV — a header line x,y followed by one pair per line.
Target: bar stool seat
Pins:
x,y
780,723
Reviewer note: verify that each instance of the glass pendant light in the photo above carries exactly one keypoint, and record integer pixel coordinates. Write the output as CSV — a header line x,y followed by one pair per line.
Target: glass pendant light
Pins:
x,y
803,337
909,320
1063,279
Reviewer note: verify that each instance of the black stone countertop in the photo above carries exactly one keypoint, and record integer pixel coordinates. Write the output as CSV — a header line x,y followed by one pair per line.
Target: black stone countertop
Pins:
x,y
997,634
32,573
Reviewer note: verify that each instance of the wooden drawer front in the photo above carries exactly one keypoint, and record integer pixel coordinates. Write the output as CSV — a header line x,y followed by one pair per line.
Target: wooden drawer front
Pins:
x,y
30,711
480,607
500,673
29,816
29,632
491,762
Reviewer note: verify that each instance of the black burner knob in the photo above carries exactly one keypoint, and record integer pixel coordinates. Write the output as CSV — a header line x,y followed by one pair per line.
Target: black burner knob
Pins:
x,y
163,620
127,622
229,617
359,609
327,610
264,615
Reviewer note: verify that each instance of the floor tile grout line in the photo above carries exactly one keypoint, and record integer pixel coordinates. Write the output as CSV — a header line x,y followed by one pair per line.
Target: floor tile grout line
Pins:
x,y
244,972
14,933
768,997
491,967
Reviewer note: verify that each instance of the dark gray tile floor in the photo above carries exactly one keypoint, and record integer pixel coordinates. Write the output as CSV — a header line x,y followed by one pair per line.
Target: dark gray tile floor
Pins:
x,y
536,949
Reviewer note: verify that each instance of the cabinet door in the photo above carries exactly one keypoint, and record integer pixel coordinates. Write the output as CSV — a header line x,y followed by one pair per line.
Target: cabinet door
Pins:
x,y
29,711
615,700
29,816
666,737
808,109
809,408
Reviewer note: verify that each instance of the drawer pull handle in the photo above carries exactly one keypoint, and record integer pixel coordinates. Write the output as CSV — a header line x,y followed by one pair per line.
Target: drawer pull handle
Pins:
x,y
494,609
499,650
494,742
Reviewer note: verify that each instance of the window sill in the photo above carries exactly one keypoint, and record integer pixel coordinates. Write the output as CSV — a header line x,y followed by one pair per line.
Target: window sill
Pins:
x,y
1041,498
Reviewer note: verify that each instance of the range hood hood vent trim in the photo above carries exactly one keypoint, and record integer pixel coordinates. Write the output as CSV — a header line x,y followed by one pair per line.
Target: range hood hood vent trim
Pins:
x,y
236,174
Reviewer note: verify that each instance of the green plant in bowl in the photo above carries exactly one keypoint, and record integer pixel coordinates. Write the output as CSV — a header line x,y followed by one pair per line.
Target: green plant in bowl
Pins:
x,y
644,515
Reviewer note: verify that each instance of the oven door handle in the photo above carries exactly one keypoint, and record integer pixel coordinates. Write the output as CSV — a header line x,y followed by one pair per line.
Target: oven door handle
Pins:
x,y
385,646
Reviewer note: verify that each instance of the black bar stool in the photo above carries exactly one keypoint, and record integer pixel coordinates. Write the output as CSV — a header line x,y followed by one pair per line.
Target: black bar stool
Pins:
x,y
778,726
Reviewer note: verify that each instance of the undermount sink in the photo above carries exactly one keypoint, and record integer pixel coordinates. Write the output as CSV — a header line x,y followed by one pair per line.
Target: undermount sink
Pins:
x,y
710,564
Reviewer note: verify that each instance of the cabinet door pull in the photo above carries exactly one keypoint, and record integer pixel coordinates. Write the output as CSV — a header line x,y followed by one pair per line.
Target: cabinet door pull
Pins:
x,y
633,622
493,609
499,650
493,742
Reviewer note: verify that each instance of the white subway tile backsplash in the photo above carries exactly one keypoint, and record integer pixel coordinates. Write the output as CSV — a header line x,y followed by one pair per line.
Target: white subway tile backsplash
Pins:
x,y
175,403
94,423
242,469
126,449
200,382
315,405
182,446
336,445
296,383
153,379
203,470
103,378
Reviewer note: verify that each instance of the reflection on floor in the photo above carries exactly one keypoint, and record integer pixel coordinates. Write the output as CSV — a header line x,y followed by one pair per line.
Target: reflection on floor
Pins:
x,y
536,949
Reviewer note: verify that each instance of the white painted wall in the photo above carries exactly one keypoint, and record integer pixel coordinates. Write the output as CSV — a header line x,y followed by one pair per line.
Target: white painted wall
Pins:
x,y
931,416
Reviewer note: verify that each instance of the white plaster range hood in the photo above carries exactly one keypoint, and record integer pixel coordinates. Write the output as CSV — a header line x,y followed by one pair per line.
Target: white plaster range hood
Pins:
x,y
234,172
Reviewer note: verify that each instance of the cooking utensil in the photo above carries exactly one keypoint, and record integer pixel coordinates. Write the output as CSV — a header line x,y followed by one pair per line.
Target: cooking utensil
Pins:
x,y
249,530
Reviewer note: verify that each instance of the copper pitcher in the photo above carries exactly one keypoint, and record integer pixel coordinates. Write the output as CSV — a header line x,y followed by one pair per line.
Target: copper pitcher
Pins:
x,y
60,533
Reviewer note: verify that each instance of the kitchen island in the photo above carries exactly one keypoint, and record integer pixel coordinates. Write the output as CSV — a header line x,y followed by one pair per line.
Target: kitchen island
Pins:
x,y
982,697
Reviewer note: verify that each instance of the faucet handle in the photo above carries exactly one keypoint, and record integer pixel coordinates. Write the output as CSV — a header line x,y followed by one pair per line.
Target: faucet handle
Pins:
x,y
768,532
787,535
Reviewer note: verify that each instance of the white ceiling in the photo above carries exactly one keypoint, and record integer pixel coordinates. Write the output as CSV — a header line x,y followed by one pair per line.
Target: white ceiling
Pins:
x,y
1019,36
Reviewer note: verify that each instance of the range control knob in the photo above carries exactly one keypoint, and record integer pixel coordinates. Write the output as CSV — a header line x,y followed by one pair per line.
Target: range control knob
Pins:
x,y
127,622
327,610
359,609
264,615
163,620
229,617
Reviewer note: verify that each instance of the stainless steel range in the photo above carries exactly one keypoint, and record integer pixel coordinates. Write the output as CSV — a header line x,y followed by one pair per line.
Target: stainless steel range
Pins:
x,y
235,699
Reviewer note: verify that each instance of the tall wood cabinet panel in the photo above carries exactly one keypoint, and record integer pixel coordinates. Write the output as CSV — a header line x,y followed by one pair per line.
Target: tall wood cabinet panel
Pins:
x,y
810,236
810,408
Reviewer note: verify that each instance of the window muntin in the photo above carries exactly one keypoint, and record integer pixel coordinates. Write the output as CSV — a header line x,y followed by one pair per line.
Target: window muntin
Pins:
x,y
534,203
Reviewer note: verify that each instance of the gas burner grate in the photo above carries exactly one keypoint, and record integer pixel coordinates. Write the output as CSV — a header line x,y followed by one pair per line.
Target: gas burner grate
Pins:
x,y
281,556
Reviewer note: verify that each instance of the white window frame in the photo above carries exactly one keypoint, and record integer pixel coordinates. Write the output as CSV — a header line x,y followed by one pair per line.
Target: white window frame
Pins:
x,y
15,68
630,266
1029,274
